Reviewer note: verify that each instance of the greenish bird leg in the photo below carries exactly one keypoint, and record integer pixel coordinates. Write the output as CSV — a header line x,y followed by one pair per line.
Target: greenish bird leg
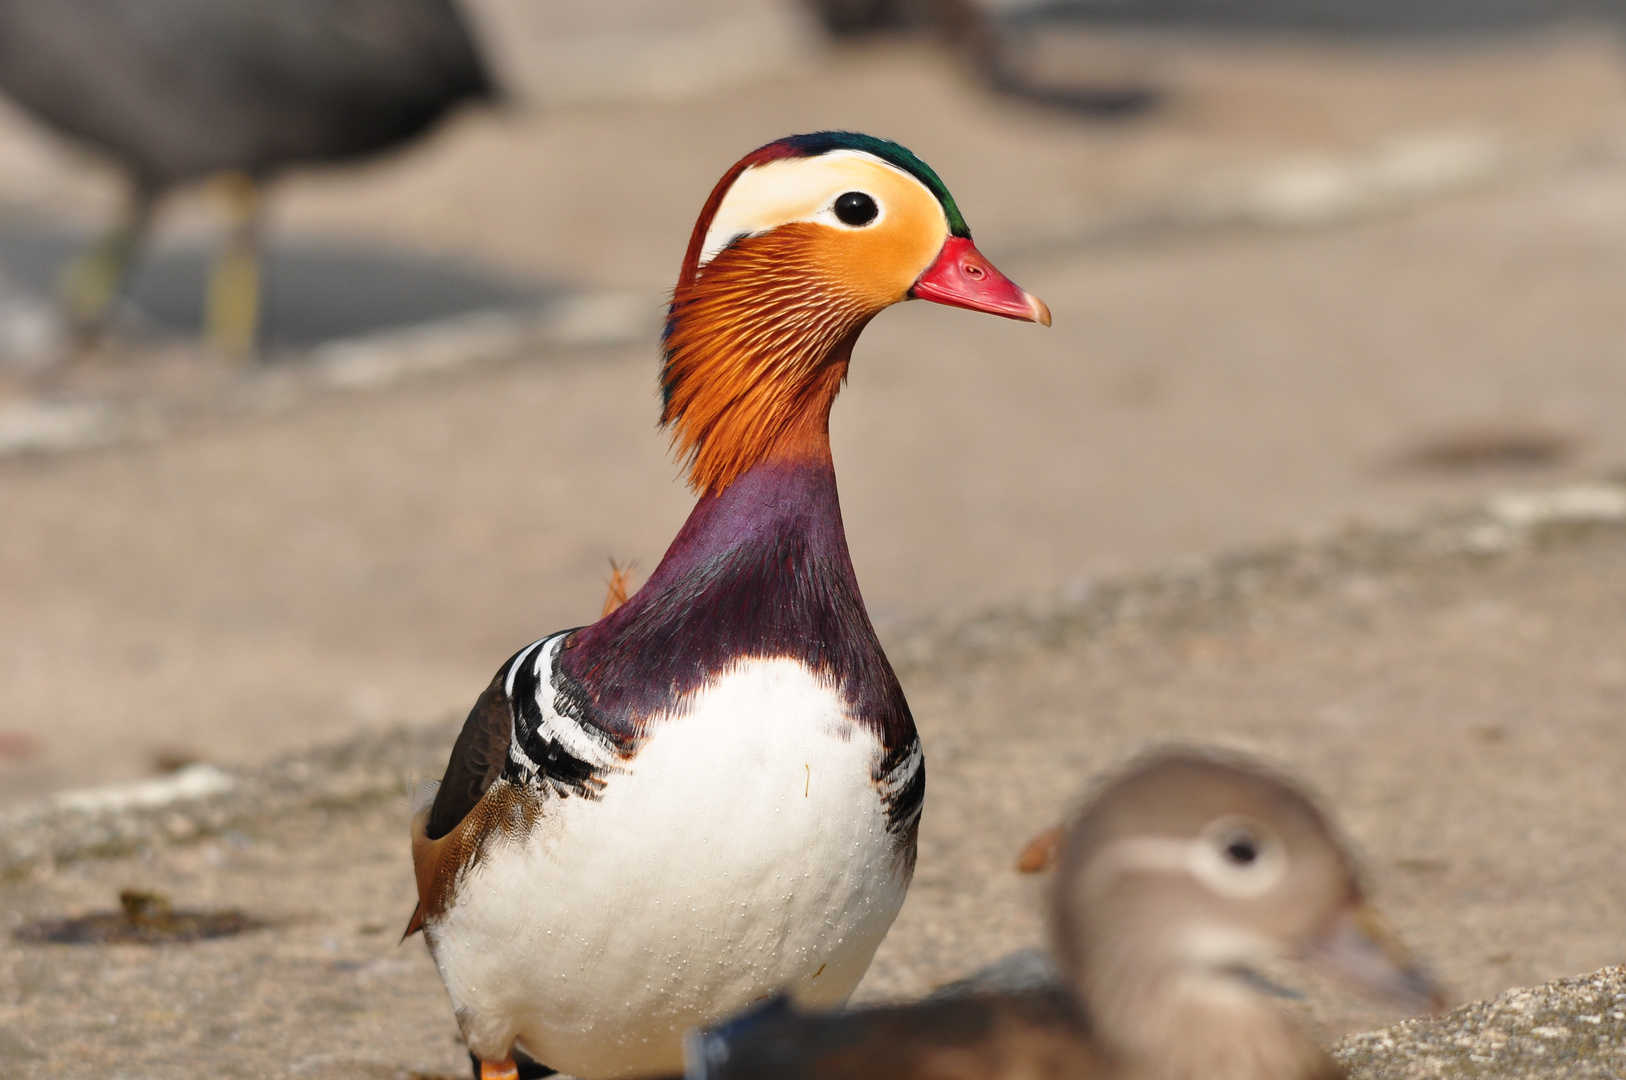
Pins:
x,y
94,280
231,321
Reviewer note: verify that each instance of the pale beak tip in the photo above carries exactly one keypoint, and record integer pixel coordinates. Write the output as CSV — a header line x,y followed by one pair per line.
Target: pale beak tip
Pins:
x,y
1039,309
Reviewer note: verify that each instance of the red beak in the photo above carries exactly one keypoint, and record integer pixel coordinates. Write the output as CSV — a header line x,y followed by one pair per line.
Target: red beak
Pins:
x,y
963,277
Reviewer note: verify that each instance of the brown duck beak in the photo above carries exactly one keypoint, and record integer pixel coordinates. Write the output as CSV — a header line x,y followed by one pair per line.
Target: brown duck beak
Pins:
x,y
1360,948
962,276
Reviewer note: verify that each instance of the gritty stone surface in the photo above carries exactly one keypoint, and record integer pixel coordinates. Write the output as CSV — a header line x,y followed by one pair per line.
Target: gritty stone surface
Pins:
x,y
69,826
1574,1028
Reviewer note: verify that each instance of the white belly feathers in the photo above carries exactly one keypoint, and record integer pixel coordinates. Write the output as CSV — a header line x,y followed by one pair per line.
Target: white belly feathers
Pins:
x,y
741,851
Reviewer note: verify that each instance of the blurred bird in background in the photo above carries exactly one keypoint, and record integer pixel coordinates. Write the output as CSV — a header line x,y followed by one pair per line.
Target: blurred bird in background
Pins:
x,y
1181,886
237,90
1002,40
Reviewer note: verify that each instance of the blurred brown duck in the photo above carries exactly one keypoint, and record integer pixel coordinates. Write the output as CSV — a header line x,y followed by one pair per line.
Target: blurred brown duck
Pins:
x,y
1178,888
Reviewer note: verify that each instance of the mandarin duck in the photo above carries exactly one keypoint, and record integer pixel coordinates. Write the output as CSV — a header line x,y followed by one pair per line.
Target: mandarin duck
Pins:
x,y
711,794
176,91
1180,885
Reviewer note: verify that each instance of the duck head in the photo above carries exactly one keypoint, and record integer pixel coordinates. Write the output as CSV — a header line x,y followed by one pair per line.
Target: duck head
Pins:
x,y
1183,887
801,243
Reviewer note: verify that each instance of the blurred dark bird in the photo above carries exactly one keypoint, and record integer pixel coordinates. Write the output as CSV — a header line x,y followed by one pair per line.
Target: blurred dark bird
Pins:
x,y
181,90
1180,886
1002,39
996,40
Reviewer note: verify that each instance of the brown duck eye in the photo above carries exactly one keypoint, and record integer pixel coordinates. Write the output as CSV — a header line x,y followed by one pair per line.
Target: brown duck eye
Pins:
x,y
856,208
1241,848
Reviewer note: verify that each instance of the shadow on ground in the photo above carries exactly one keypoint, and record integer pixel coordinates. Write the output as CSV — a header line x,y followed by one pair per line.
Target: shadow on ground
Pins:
x,y
314,292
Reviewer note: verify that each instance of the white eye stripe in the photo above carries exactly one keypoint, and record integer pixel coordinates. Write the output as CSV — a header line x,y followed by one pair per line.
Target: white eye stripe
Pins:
x,y
1154,854
827,216
1204,858
765,197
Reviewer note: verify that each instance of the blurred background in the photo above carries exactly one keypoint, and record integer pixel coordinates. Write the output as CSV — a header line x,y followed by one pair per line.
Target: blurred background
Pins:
x,y
1312,262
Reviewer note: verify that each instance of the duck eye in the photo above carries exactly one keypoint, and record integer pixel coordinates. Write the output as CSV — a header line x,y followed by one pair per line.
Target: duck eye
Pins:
x,y
1241,848
1237,857
855,208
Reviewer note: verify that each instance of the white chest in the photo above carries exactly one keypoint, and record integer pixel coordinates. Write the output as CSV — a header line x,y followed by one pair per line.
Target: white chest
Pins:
x,y
743,850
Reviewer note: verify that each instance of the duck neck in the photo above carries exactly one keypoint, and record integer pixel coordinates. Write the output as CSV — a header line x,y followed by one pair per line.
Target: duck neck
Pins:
x,y
1169,1021
803,438
786,503
786,488
759,571
756,347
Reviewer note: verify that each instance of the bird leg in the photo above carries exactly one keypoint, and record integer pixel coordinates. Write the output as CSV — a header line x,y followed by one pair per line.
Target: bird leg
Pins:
x,y
499,1070
94,280
518,1066
231,321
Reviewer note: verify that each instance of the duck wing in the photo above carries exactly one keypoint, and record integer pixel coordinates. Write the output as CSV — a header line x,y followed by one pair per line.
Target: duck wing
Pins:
x,y
531,726
477,758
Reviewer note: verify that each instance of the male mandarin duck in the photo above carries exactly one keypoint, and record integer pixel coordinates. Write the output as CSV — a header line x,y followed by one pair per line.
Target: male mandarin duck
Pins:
x,y
711,794
1180,886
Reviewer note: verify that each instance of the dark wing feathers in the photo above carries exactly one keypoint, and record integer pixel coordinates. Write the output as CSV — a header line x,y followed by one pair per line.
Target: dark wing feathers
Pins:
x,y
481,753
477,758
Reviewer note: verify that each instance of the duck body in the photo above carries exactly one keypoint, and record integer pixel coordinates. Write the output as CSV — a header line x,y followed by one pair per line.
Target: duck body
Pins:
x,y
181,89
747,811
712,794
1183,881
1035,1035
